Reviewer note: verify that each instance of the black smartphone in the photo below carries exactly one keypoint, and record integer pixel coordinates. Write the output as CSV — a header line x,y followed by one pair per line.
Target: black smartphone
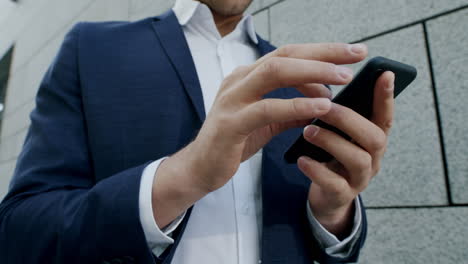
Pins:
x,y
357,95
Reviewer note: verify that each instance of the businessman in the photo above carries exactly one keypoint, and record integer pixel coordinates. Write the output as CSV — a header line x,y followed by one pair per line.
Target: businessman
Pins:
x,y
161,141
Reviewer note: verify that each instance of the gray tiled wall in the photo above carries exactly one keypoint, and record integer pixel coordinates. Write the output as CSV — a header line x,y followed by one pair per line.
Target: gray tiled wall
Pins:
x,y
448,40
418,204
412,172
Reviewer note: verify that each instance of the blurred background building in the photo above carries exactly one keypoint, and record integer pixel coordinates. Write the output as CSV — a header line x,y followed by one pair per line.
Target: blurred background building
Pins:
x,y
417,205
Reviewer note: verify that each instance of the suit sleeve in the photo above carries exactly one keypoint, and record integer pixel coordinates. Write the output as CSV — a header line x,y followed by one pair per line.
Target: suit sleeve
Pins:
x,y
352,253
157,239
55,211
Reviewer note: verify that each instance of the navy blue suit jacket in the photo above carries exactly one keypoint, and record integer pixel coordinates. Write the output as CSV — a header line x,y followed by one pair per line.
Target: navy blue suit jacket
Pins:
x,y
118,96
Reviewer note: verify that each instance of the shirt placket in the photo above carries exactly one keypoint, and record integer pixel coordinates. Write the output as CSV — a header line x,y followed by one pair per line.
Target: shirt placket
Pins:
x,y
242,183
227,65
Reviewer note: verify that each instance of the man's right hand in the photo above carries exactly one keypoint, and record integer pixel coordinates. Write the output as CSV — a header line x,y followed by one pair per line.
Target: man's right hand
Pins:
x,y
241,122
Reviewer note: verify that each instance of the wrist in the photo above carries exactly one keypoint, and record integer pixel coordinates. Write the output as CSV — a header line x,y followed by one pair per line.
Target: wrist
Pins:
x,y
338,220
173,190
332,217
179,175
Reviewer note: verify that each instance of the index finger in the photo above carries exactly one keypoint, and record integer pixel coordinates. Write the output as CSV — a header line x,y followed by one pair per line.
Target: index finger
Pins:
x,y
279,72
383,107
337,53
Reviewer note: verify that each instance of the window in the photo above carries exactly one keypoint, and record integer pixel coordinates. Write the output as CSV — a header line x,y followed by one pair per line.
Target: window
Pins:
x,y
5,63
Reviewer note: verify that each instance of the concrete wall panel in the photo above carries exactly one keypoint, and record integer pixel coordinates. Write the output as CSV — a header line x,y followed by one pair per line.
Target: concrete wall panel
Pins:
x,y
261,21
412,170
435,235
344,21
449,45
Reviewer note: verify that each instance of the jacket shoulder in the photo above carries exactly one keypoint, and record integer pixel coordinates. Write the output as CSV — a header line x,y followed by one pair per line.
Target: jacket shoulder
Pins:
x,y
110,28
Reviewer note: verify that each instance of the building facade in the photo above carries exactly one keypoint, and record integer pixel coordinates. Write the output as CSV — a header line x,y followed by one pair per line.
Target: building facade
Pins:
x,y
417,205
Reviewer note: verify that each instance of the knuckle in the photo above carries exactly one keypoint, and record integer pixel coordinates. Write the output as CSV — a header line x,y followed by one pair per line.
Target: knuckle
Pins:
x,y
271,69
337,114
224,121
222,99
226,101
262,109
362,185
338,187
285,51
236,75
378,141
297,107
364,164
343,47
240,70
226,82
271,66
329,71
336,49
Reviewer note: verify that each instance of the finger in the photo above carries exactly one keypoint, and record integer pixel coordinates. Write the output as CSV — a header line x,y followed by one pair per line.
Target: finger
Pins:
x,y
356,161
236,75
283,126
286,72
308,89
318,173
337,53
268,111
315,90
383,106
365,133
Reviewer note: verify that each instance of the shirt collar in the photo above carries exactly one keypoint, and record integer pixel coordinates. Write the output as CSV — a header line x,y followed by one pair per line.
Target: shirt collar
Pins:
x,y
187,10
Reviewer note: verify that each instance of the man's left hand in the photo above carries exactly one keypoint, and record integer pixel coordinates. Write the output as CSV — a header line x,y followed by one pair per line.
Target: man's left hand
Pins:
x,y
336,184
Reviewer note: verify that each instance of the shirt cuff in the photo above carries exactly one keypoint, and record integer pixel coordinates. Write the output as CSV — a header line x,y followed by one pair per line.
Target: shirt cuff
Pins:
x,y
157,239
329,242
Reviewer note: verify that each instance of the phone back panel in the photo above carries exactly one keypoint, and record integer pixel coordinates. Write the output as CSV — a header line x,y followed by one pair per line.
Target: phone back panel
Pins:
x,y
359,96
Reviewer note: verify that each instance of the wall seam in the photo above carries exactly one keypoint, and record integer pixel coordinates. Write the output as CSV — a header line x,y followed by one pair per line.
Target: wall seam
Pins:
x,y
407,25
269,24
438,117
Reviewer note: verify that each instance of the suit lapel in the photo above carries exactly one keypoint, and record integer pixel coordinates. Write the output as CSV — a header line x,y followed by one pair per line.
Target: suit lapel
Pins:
x,y
175,45
172,39
264,46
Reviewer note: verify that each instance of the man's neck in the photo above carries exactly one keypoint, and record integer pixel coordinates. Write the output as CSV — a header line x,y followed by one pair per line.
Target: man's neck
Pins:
x,y
225,24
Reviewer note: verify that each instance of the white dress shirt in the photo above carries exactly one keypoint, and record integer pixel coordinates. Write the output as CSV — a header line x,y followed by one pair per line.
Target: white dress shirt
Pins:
x,y
225,226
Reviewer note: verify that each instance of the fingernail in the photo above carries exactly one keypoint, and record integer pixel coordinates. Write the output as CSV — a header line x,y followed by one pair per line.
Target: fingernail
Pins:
x,y
301,160
358,48
311,131
344,72
391,83
321,104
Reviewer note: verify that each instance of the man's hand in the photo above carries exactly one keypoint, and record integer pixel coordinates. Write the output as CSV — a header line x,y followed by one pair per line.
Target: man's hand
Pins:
x,y
241,122
336,184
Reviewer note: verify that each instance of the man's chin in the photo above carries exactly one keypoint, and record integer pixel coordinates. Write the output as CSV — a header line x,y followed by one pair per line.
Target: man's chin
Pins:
x,y
229,10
